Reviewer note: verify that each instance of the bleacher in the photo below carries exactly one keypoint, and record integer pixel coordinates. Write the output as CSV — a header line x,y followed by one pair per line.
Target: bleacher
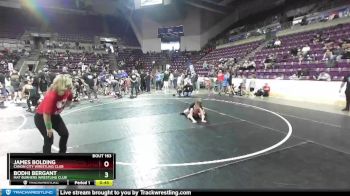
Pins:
x,y
288,65
57,60
214,56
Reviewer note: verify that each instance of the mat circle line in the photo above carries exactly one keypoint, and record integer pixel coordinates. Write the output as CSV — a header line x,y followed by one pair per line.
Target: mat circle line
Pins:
x,y
245,156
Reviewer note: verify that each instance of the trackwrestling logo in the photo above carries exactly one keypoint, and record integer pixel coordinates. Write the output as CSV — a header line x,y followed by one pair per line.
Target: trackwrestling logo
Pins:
x,y
31,192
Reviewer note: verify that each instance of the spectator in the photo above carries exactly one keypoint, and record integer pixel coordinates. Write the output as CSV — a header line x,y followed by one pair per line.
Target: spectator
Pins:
x,y
15,82
294,51
303,72
270,44
277,43
188,87
244,66
220,81
133,80
269,61
252,85
309,57
304,21
251,65
65,70
2,83
280,76
175,76
194,80
166,80
329,58
10,66
328,55
180,80
83,66
305,50
328,42
148,82
242,86
338,53
294,77
205,65
266,89
346,53
91,84
158,78
324,76
316,39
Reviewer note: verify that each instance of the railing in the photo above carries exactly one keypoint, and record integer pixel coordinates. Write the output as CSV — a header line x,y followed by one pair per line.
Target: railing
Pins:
x,y
343,12
11,44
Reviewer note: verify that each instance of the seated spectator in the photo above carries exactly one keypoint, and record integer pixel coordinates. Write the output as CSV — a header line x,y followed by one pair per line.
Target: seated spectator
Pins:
x,y
324,76
71,66
328,55
280,77
266,89
317,38
333,16
309,57
304,21
329,58
65,70
337,52
346,54
303,72
277,43
328,43
10,66
305,50
251,65
340,42
188,87
294,77
269,61
294,51
244,66
270,44
205,65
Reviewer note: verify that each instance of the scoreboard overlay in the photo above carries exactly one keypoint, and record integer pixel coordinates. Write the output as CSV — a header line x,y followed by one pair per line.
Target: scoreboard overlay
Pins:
x,y
61,169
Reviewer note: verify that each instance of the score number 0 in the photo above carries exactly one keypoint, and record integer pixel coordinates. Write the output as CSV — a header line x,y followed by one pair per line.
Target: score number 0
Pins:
x,y
106,164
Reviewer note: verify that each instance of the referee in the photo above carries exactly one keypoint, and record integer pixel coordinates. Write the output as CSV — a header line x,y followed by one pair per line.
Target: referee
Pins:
x,y
346,80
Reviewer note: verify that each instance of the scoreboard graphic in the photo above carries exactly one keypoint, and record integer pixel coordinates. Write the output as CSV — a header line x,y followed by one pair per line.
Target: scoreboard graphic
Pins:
x,y
175,31
67,169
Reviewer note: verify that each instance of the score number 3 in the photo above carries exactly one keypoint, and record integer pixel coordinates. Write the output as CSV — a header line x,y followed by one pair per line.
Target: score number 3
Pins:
x,y
106,164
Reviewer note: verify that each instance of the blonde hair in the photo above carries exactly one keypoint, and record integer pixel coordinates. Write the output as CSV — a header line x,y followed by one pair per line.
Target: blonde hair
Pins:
x,y
199,102
61,82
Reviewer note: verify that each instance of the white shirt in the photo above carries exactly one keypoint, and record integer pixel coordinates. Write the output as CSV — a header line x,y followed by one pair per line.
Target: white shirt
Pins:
x,y
252,83
7,82
179,80
10,66
200,79
305,49
205,64
83,67
252,63
187,81
245,64
239,81
277,42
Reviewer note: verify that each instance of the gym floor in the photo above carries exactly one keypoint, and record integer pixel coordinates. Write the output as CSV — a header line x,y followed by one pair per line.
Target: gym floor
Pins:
x,y
246,144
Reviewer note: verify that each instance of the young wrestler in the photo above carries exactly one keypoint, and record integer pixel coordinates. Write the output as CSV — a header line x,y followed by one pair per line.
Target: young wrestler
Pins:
x,y
195,111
